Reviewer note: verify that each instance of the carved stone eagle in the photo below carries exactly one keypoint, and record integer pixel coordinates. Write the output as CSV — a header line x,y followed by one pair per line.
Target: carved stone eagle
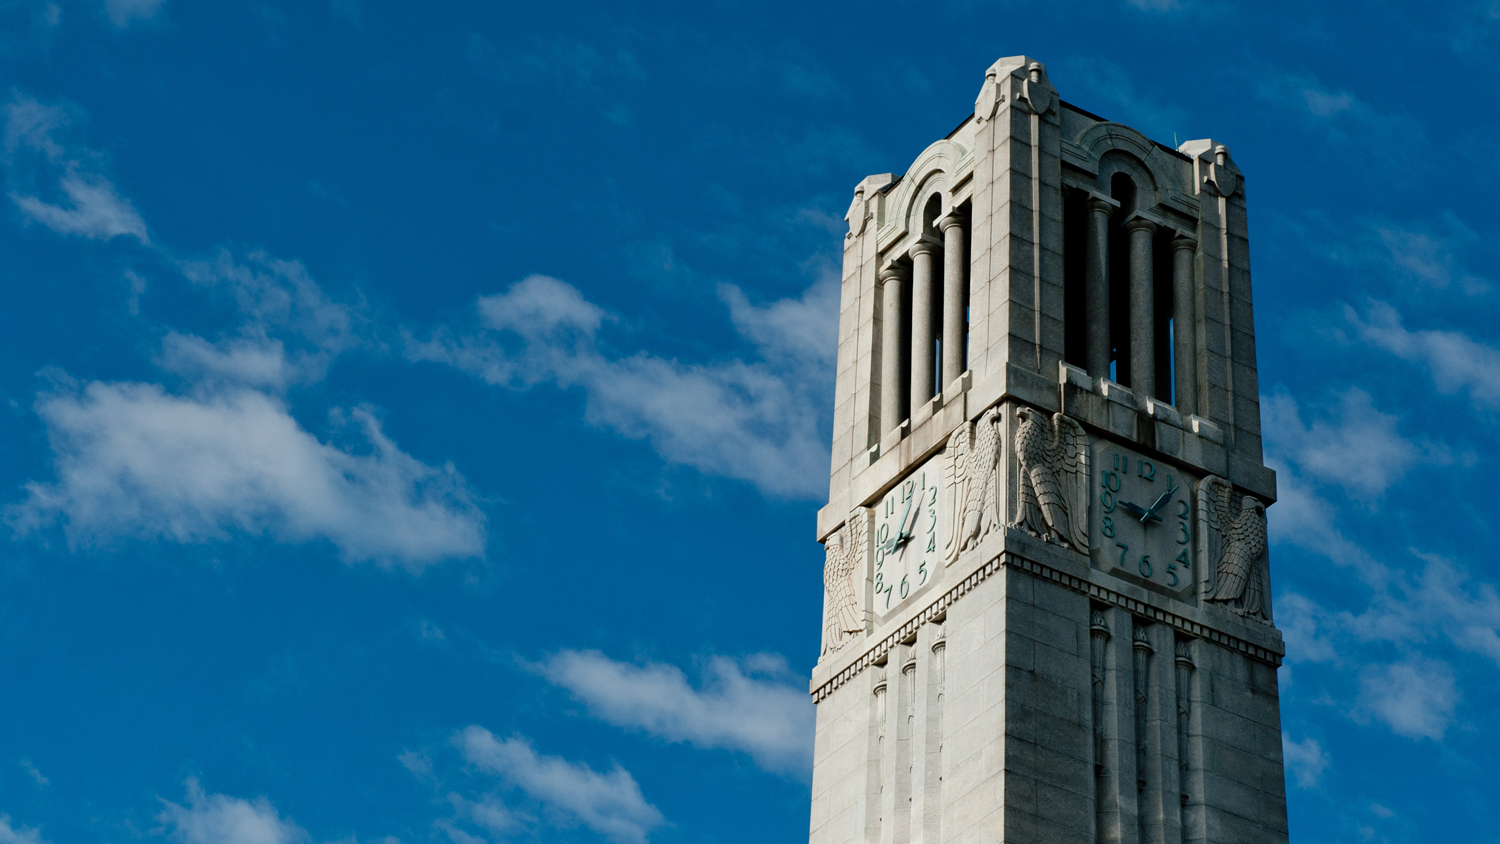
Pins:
x,y
1239,573
974,478
1052,501
844,563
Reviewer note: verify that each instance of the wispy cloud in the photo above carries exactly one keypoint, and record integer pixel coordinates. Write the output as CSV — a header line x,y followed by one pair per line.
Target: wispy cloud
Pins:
x,y
752,705
12,834
1415,698
1306,759
610,804
133,460
123,13
221,819
1356,447
752,420
58,185
1455,360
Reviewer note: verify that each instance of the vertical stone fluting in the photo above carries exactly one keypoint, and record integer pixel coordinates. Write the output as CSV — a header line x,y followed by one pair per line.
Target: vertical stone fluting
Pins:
x,y
1141,647
923,288
1184,660
875,809
955,297
1184,333
892,356
1098,640
932,815
905,763
1096,287
1142,309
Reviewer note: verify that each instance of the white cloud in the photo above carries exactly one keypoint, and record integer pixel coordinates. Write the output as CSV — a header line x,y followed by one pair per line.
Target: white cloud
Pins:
x,y
133,460
1415,698
1303,518
1305,758
221,819
290,330
768,716
1456,361
1430,258
755,421
123,13
10,834
610,804
1360,450
80,200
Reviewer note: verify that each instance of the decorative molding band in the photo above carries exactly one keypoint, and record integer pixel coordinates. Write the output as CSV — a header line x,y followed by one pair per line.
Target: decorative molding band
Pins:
x,y
938,607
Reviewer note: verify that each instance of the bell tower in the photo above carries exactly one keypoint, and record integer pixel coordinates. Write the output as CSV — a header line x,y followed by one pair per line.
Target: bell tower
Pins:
x,y
1048,609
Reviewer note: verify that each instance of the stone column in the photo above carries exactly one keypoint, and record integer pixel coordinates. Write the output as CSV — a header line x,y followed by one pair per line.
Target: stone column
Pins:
x,y
923,261
1096,287
955,302
1142,309
1184,326
892,355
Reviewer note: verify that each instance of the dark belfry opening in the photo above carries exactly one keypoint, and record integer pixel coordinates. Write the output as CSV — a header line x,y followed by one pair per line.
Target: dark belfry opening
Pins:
x,y
904,348
967,210
1075,309
930,215
1161,277
1122,190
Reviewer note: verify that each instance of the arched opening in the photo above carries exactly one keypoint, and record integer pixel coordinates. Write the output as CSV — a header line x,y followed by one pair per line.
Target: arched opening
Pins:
x,y
1122,190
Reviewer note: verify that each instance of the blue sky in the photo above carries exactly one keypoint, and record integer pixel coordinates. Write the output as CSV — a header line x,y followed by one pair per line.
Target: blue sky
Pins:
x,y
415,415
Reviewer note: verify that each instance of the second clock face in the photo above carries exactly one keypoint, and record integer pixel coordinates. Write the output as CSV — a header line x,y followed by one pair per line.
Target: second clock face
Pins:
x,y
1142,527
909,535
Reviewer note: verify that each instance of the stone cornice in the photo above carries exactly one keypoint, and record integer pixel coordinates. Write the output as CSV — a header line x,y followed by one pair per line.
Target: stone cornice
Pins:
x,y
1017,554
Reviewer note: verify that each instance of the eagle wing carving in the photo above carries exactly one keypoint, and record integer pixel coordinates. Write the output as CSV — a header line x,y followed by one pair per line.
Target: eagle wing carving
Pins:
x,y
974,478
845,554
1239,572
1052,494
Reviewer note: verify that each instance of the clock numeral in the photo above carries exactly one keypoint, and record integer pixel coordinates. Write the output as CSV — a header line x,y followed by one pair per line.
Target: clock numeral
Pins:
x,y
1107,499
932,542
1185,537
1183,558
1183,507
879,582
1123,549
888,596
1172,570
1119,460
1145,567
922,570
1109,526
1145,469
1110,480
905,587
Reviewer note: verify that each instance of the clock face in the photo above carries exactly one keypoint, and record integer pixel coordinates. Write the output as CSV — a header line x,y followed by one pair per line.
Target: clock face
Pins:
x,y
1143,519
909,528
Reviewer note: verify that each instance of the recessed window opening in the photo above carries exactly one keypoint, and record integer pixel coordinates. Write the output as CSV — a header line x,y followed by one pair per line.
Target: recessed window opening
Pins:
x,y
1161,277
1122,190
1075,311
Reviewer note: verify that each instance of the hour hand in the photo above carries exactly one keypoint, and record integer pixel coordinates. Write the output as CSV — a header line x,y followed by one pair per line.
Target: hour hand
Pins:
x,y
1133,509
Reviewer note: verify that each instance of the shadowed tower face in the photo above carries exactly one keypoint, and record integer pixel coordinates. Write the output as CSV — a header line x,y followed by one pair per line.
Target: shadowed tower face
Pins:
x,y
1048,610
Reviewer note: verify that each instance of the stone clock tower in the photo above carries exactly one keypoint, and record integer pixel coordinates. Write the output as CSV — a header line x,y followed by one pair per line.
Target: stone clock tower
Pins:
x,y
1048,609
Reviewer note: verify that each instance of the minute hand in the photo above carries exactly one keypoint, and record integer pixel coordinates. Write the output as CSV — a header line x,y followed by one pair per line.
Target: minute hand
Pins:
x,y
1151,511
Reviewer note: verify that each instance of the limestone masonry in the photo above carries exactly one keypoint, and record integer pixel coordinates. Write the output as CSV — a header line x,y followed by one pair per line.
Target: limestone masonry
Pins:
x,y
1047,614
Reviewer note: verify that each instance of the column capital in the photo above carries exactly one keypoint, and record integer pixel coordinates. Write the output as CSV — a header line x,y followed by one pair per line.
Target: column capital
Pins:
x,y
1184,241
1102,204
925,246
895,272
951,219
1136,224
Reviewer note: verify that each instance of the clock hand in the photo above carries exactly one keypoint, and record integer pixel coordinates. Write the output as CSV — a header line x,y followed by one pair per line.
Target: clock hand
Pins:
x,y
1165,497
900,526
1132,509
